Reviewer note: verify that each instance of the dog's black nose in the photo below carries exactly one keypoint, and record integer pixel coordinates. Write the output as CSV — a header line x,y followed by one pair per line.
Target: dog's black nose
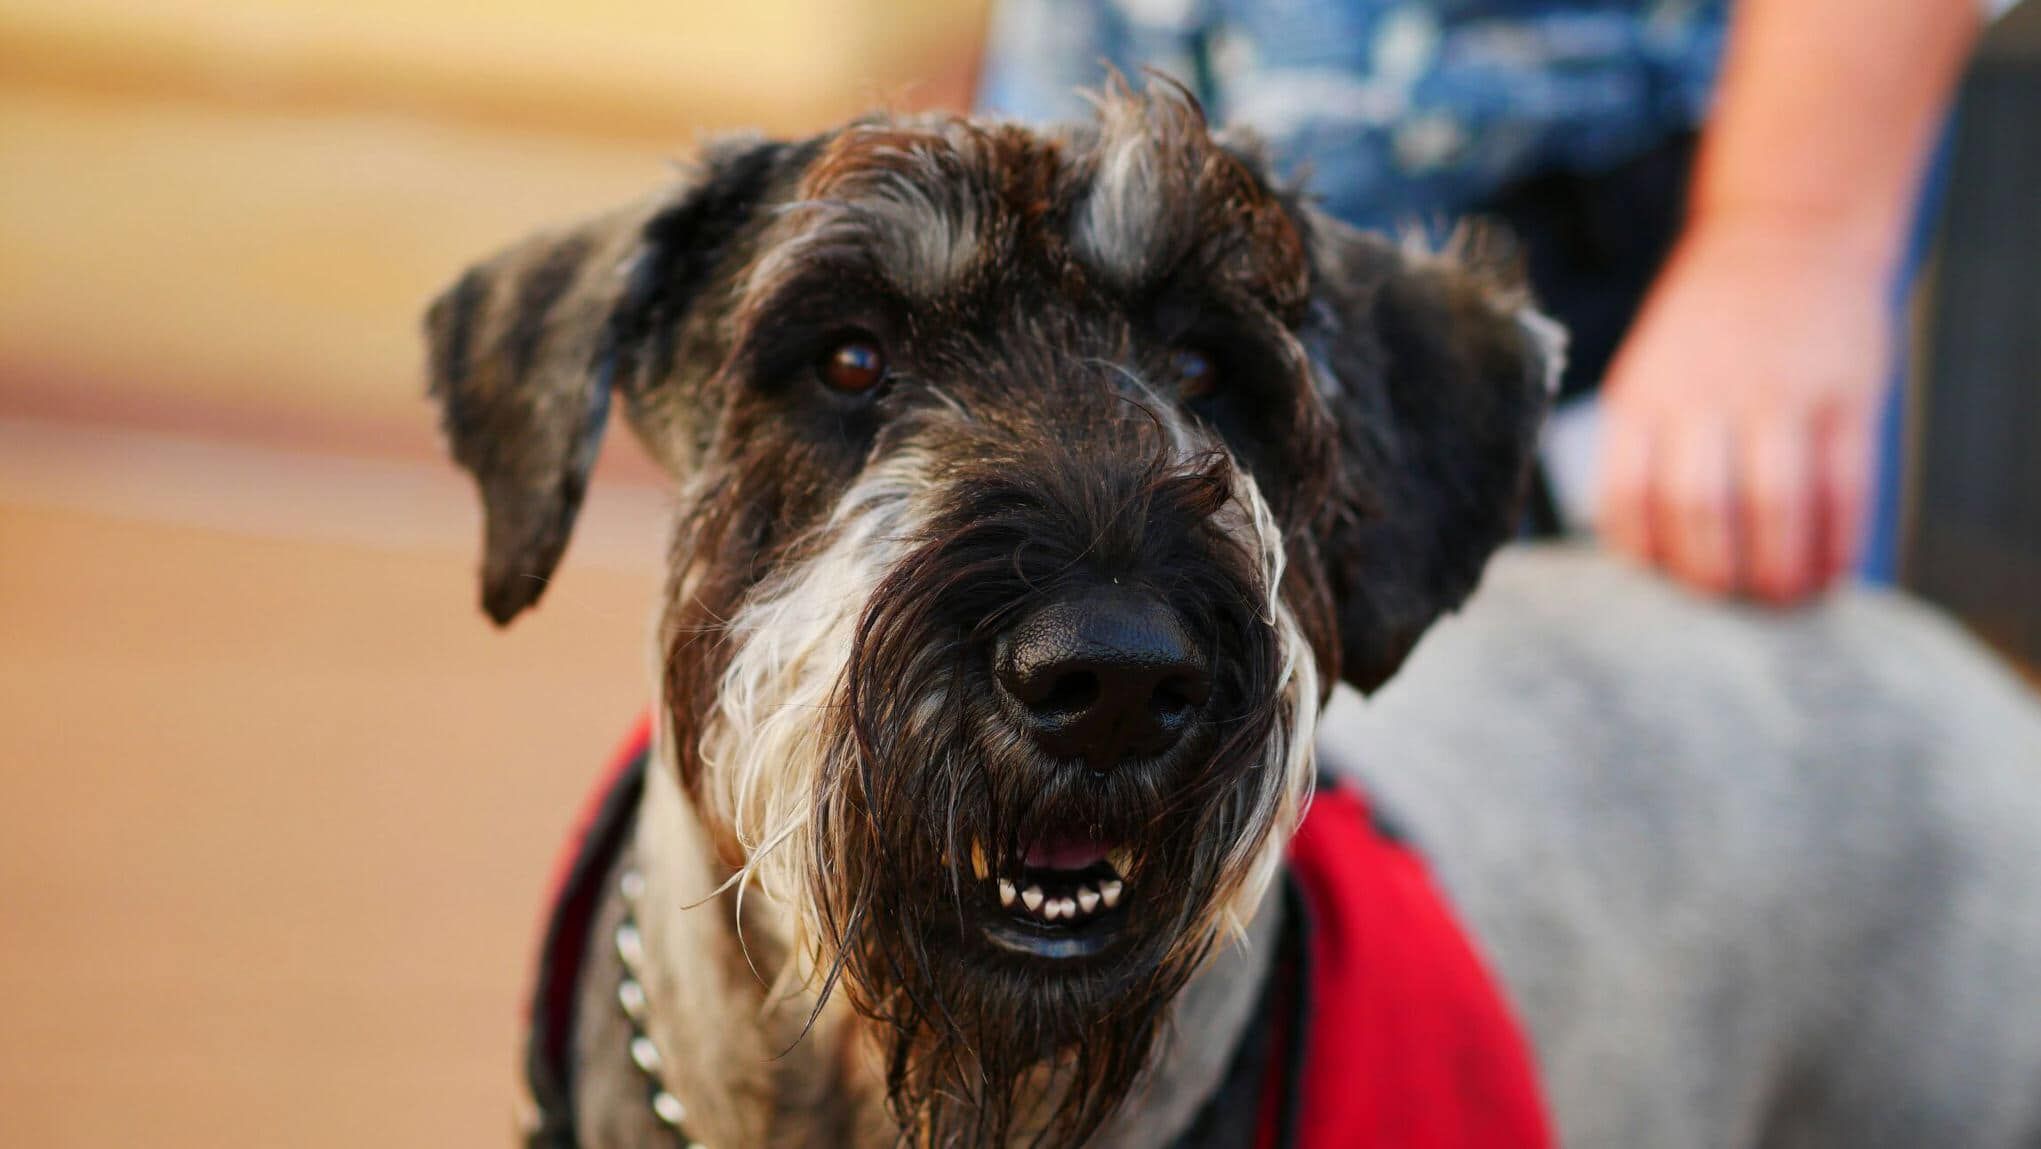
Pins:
x,y
1106,676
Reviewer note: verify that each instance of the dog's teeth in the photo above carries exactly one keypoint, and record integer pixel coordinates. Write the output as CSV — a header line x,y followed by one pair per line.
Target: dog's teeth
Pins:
x,y
1006,892
1087,899
978,865
1109,893
1121,860
1065,908
1032,898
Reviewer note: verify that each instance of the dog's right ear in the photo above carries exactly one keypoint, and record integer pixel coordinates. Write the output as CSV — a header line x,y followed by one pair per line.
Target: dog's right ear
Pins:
x,y
526,347
1437,370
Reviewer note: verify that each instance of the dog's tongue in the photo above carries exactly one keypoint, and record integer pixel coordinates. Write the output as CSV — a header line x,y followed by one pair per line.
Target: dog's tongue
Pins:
x,y
1065,854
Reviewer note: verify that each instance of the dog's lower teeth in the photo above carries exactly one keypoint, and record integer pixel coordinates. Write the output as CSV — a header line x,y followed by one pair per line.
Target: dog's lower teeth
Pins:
x,y
1081,902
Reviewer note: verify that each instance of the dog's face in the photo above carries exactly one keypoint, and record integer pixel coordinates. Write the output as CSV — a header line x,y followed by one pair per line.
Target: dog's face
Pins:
x,y
1036,488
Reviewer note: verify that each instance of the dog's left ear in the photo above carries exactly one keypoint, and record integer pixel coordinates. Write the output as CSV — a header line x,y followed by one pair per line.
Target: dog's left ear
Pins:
x,y
1438,372
526,346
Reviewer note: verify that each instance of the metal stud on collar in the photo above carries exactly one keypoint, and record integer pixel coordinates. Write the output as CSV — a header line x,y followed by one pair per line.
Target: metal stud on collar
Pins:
x,y
631,999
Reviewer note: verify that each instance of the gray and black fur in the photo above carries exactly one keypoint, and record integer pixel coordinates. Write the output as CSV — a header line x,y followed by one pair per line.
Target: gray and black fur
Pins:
x,y
842,766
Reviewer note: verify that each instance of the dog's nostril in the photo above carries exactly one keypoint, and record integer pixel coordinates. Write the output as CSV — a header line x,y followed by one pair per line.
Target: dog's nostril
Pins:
x,y
1174,696
1105,677
1069,692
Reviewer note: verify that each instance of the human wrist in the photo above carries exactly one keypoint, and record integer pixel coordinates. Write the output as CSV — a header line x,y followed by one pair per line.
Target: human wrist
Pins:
x,y
1837,239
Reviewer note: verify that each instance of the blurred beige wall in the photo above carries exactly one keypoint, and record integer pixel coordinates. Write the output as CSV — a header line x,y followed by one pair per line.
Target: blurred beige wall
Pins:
x,y
229,212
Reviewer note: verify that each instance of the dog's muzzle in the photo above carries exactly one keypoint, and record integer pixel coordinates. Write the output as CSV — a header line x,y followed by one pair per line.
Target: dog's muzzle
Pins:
x,y
1109,679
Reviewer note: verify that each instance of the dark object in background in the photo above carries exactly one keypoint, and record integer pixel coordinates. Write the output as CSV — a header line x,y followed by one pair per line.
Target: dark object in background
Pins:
x,y
1594,243
1975,543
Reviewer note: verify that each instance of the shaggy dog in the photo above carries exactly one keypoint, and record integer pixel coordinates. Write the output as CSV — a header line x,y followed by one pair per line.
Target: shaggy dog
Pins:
x,y
1035,489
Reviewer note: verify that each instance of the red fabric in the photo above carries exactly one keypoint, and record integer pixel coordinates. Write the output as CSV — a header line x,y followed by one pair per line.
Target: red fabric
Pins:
x,y
1410,1044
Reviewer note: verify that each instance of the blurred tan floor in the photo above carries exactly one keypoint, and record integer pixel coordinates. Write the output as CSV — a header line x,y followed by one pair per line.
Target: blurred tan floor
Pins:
x,y
277,805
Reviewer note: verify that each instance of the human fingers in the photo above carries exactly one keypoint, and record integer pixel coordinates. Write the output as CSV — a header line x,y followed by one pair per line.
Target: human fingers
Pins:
x,y
1842,493
1778,492
1624,513
1693,505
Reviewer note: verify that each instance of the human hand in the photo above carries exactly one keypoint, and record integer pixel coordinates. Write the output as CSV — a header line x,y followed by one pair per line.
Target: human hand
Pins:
x,y
1737,451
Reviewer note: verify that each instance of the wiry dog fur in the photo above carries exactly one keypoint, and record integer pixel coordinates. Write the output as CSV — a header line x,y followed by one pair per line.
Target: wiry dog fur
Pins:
x,y
1749,880
844,564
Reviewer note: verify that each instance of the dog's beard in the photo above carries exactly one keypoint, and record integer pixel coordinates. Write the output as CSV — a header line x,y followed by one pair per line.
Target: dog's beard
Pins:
x,y
858,758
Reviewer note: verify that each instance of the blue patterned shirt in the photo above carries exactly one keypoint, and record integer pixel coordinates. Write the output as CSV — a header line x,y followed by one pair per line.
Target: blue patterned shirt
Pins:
x,y
1403,111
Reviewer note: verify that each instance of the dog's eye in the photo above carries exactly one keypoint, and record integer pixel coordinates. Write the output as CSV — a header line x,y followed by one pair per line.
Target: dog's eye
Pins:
x,y
854,366
1196,374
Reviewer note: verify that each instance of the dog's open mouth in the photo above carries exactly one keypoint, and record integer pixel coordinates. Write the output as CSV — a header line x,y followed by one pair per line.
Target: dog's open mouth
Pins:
x,y
1063,899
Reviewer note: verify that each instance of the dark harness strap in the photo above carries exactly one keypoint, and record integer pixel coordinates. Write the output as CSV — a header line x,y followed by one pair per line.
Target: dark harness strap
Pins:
x,y
1262,1088
549,1052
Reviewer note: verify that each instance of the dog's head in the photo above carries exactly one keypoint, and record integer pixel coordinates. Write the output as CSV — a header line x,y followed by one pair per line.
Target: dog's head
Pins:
x,y
1036,487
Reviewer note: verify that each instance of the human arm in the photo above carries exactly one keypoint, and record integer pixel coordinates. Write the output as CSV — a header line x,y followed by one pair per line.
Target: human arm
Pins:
x,y
1741,409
